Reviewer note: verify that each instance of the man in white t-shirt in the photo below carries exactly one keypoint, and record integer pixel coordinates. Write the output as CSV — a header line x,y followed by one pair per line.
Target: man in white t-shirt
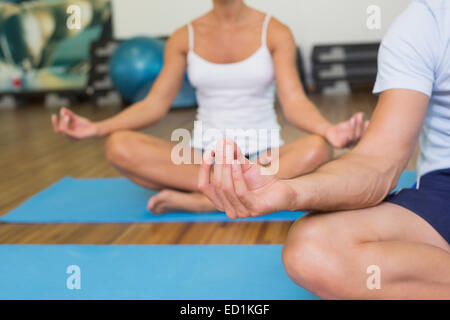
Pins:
x,y
369,244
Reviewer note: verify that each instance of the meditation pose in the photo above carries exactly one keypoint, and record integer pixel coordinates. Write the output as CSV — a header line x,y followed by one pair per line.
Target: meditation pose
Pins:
x,y
234,56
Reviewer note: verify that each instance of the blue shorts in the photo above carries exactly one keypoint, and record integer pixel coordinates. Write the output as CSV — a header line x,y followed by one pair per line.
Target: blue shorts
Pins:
x,y
431,200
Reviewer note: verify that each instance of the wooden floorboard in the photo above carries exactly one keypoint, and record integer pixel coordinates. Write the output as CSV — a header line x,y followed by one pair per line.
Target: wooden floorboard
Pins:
x,y
33,157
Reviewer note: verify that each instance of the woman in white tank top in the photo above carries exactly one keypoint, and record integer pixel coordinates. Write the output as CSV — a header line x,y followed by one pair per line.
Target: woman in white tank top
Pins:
x,y
238,95
234,55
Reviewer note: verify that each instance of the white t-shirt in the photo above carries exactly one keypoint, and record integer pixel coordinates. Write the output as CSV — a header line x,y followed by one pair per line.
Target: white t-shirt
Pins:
x,y
415,55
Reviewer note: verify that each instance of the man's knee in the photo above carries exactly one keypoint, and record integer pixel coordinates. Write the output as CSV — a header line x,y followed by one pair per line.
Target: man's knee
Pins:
x,y
313,258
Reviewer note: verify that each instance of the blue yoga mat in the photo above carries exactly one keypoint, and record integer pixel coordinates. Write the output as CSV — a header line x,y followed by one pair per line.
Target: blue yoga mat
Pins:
x,y
172,272
117,200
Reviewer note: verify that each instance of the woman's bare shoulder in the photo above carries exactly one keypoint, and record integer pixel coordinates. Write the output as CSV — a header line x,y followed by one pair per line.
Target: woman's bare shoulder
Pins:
x,y
278,28
279,34
179,39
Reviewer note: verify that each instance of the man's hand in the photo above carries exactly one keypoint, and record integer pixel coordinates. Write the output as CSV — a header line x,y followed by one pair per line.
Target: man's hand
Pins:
x,y
238,187
73,126
347,133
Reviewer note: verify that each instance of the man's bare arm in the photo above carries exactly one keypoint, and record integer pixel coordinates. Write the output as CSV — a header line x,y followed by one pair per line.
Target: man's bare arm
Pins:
x,y
365,176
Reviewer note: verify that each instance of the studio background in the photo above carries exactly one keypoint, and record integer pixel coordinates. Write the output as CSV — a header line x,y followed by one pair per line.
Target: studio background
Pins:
x,y
312,22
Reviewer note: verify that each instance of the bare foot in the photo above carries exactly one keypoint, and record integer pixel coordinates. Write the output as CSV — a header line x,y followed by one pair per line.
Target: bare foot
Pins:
x,y
170,200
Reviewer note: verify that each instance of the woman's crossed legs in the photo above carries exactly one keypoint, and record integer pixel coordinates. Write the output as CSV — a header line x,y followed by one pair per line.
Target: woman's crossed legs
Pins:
x,y
146,161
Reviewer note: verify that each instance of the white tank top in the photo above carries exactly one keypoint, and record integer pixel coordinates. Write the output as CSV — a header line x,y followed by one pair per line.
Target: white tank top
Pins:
x,y
235,100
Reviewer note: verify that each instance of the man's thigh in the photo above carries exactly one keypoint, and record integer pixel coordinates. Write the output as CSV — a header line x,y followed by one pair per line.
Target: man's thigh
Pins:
x,y
385,222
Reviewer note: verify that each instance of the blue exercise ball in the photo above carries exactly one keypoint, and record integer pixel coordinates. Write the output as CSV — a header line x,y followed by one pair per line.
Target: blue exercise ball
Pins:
x,y
136,63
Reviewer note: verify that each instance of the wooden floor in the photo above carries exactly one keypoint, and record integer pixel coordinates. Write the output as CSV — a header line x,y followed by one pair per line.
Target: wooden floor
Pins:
x,y
32,157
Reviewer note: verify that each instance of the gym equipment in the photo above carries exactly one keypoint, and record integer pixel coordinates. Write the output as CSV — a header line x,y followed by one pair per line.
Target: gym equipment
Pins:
x,y
173,272
108,99
135,65
55,100
7,102
118,200
342,68
100,87
362,52
350,71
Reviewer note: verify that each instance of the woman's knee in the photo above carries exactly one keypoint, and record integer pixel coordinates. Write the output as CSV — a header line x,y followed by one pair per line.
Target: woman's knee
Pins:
x,y
313,257
119,147
303,156
319,150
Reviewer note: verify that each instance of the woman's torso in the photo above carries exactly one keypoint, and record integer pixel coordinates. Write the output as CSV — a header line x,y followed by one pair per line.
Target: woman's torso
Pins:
x,y
235,100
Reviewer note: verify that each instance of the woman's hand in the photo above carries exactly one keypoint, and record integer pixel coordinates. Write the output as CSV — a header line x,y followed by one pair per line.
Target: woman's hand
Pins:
x,y
347,133
238,186
73,126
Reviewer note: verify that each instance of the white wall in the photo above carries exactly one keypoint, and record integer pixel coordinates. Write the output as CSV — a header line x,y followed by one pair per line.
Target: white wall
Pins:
x,y
312,21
